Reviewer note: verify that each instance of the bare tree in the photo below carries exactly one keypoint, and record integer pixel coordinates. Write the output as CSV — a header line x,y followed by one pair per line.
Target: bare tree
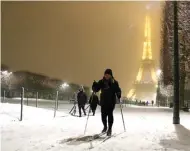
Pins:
x,y
167,43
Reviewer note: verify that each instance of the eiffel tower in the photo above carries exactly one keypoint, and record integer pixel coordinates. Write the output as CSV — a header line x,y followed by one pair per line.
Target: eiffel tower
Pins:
x,y
145,85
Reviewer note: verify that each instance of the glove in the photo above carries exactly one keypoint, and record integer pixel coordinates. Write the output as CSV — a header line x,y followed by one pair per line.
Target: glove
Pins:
x,y
94,85
110,82
118,95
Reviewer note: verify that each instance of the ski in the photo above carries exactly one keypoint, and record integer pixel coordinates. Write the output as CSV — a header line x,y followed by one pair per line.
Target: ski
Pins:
x,y
86,138
96,136
105,139
108,137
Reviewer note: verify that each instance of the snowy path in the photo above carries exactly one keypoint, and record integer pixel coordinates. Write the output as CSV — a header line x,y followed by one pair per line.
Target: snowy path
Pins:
x,y
148,129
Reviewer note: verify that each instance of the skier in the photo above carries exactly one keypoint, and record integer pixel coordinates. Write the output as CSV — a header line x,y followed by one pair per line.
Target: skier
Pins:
x,y
152,102
136,102
82,99
109,90
74,100
94,101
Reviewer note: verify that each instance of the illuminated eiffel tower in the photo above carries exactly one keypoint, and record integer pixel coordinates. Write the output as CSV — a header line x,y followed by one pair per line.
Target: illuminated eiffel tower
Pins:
x,y
144,87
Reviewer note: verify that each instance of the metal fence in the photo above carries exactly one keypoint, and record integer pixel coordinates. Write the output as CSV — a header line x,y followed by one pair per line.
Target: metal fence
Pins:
x,y
52,100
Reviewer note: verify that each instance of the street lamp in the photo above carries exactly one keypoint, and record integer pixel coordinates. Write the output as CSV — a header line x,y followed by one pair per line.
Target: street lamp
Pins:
x,y
64,85
176,118
6,73
158,73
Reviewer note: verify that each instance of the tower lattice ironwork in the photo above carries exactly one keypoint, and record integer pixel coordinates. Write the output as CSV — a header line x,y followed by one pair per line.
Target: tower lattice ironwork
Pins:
x,y
144,87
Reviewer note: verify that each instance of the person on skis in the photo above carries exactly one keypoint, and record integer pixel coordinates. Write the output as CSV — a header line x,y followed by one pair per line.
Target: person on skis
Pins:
x,y
81,99
152,102
109,91
94,101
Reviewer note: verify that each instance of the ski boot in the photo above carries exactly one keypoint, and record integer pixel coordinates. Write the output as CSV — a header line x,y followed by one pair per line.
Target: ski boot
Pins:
x,y
109,132
104,130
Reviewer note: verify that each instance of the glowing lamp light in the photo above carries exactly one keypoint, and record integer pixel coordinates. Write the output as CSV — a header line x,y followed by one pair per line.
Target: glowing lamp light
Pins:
x,y
158,72
5,72
64,85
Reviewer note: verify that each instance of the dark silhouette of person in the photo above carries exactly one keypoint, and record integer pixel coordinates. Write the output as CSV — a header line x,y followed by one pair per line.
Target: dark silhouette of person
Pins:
x,y
94,101
82,99
109,90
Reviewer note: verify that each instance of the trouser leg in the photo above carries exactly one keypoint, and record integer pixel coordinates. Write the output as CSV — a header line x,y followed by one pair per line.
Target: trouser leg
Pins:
x,y
110,119
79,106
94,110
83,109
104,117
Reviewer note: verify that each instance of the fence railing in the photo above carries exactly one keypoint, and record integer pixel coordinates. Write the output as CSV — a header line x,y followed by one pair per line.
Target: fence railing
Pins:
x,y
39,99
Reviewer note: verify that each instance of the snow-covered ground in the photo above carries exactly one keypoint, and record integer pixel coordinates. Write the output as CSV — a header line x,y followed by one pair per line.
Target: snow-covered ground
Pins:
x,y
147,129
41,103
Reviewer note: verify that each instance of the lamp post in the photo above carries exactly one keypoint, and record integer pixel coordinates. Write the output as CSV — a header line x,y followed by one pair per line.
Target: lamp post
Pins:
x,y
176,118
64,86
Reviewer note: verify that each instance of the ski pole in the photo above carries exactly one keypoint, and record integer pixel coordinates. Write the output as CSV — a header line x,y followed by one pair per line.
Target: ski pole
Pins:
x,y
72,108
122,117
74,111
87,107
88,116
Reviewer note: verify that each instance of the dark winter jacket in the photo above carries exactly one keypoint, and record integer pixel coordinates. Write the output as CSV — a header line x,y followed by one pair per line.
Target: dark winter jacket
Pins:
x,y
94,101
81,98
109,90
